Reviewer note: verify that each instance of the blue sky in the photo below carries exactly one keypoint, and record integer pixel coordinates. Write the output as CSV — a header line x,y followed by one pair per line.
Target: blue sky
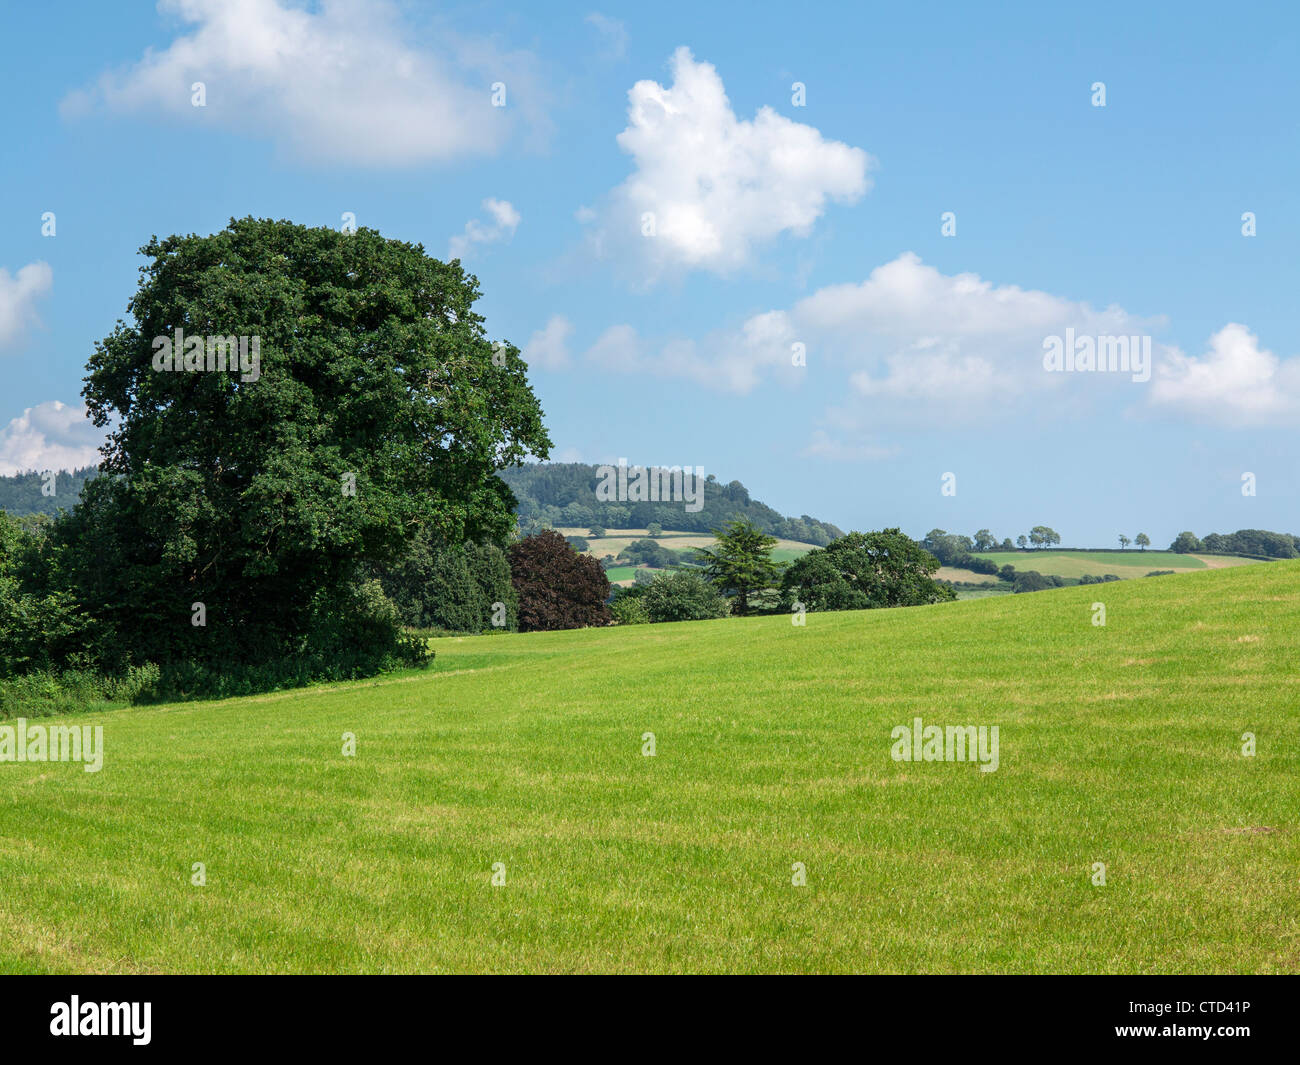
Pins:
x,y
775,225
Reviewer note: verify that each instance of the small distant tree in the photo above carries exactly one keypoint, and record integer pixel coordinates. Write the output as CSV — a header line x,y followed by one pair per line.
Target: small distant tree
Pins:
x,y
1186,541
1007,545
655,529
557,588
647,553
596,532
741,563
1031,581
1124,541
1021,542
985,540
1041,536
1143,541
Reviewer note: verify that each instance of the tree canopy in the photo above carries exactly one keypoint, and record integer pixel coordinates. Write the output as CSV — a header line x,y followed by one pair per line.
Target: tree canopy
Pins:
x,y
556,587
741,562
379,408
862,571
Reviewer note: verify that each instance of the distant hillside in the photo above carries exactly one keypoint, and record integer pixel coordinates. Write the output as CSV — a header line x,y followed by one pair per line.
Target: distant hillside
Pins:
x,y
564,494
21,493
558,494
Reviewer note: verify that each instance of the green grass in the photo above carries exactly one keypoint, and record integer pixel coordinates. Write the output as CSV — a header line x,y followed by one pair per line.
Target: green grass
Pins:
x,y
677,540
789,554
1118,744
1130,563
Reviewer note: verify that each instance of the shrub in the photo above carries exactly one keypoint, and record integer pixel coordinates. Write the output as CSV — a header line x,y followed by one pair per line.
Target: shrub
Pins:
x,y
683,596
629,610
1031,581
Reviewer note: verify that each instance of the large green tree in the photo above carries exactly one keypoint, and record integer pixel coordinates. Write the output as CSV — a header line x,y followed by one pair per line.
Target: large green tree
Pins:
x,y
862,571
741,562
380,408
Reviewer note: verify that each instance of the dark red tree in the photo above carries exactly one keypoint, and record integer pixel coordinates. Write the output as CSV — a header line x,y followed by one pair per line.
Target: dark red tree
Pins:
x,y
557,587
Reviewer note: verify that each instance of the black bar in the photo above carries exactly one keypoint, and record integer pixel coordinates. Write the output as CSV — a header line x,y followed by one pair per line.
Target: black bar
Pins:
x,y
988,1013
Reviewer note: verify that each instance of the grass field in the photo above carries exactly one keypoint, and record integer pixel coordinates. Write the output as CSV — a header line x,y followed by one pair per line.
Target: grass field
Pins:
x,y
1118,744
616,539
1099,563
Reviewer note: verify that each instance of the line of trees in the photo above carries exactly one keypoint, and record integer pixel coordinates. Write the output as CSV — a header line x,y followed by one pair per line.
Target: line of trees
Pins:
x,y
563,495
1257,542
857,571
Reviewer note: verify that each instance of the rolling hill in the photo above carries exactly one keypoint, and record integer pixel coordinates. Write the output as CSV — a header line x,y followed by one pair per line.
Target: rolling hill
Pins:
x,y
1092,563
523,754
615,540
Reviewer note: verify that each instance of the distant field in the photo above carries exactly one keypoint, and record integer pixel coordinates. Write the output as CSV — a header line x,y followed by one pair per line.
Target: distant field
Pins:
x,y
1098,563
615,540
953,573
1118,745
984,593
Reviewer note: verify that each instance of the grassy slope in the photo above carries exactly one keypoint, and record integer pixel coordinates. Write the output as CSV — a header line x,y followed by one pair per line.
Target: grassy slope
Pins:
x,y
618,539
1098,563
1118,744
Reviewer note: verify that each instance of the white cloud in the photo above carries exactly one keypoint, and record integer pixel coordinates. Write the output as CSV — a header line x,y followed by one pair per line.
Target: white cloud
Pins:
x,y
824,446
18,295
908,347
613,35
336,85
505,220
1236,382
49,436
736,361
718,185
548,348
619,348
908,335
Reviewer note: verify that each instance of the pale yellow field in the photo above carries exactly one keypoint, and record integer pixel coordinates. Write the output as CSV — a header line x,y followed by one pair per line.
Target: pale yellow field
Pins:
x,y
952,573
616,539
1079,564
